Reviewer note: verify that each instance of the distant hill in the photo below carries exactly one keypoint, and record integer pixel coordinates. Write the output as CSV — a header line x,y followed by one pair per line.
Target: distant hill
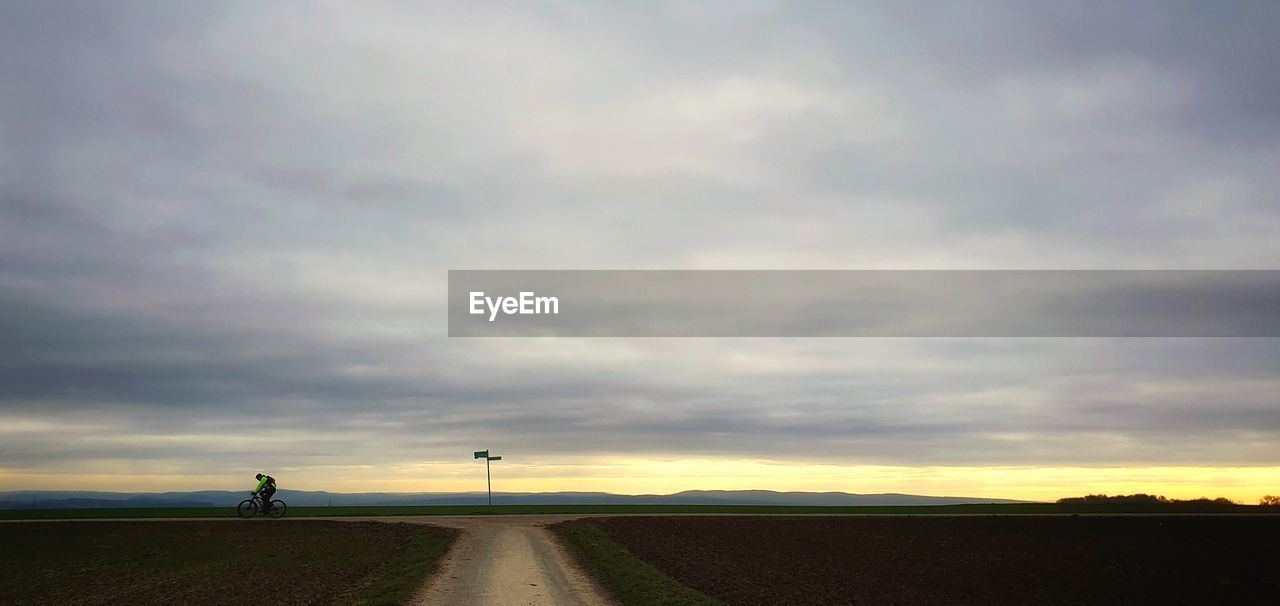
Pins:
x,y
29,499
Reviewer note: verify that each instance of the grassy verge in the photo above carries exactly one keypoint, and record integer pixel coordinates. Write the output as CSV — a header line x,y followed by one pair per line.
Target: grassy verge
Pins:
x,y
631,581
428,510
190,562
397,580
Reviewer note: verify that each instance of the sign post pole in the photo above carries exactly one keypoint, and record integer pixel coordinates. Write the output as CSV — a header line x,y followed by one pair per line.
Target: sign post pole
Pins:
x,y
488,479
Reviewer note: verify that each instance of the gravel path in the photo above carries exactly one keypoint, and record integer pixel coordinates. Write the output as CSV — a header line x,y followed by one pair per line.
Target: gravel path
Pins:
x,y
507,560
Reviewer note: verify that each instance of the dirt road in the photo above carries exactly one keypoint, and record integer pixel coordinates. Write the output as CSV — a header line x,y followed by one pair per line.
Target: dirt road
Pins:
x,y
507,560
498,560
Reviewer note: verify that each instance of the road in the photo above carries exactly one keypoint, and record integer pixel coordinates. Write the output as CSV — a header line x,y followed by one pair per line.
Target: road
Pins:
x,y
507,560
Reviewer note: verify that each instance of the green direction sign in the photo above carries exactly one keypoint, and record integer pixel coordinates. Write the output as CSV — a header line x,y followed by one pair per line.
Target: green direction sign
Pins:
x,y
482,454
495,458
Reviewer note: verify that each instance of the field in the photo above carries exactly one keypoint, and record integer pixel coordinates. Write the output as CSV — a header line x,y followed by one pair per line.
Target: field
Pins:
x,y
931,559
456,510
187,562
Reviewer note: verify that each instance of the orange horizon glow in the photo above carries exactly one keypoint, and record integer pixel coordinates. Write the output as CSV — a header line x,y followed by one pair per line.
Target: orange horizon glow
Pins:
x,y
652,476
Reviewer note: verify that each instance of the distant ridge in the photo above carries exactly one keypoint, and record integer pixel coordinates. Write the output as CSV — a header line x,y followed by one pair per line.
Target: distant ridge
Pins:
x,y
62,499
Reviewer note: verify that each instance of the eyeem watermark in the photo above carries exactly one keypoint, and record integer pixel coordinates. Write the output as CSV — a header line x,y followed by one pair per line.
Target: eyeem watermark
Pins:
x,y
526,304
866,303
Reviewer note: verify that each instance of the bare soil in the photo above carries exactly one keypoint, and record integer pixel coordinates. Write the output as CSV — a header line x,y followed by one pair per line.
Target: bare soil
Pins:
x,y
214,562
962,560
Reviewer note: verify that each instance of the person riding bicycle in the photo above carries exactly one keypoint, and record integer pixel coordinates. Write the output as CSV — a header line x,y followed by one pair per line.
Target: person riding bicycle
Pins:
x,y
266,488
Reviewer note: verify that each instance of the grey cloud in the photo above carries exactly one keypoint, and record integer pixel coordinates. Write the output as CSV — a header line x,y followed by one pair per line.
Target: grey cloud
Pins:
x,y
235,219
177,381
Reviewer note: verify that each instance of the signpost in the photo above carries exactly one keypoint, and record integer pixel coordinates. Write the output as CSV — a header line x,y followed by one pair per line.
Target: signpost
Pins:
x,y
484,454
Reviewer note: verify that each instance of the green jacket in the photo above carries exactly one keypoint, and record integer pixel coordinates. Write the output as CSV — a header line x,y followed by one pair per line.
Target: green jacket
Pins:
x,y
263,482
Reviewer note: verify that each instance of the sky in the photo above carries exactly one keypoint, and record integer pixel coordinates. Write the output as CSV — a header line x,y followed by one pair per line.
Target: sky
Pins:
x,y
225,231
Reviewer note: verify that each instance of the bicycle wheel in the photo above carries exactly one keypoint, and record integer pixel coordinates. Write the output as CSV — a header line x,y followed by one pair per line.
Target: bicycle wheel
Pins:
x,y
277,509
247,509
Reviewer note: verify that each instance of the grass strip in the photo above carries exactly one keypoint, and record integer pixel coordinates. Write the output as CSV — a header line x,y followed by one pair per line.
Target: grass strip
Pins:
x,y
632,581
397,579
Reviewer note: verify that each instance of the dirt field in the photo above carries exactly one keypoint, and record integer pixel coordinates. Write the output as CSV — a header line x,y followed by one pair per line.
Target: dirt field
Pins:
x,y
962,560
222,562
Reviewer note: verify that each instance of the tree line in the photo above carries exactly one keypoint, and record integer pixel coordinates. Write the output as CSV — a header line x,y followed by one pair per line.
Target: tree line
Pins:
x,y
1151,499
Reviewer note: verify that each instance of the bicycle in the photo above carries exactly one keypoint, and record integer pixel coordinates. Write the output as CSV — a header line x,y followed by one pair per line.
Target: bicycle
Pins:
x,y
252,506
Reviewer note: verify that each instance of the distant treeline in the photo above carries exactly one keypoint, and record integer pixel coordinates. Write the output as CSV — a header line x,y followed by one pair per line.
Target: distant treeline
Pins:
x,y
1151,499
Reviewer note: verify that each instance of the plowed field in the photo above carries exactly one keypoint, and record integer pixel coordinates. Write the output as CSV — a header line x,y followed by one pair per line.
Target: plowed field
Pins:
x,y
962,560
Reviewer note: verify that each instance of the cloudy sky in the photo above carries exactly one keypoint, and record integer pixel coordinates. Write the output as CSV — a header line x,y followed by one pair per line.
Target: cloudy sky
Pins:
x,y
225,230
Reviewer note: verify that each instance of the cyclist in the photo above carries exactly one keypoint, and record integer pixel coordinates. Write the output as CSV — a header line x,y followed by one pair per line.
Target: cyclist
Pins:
x,y
266,488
